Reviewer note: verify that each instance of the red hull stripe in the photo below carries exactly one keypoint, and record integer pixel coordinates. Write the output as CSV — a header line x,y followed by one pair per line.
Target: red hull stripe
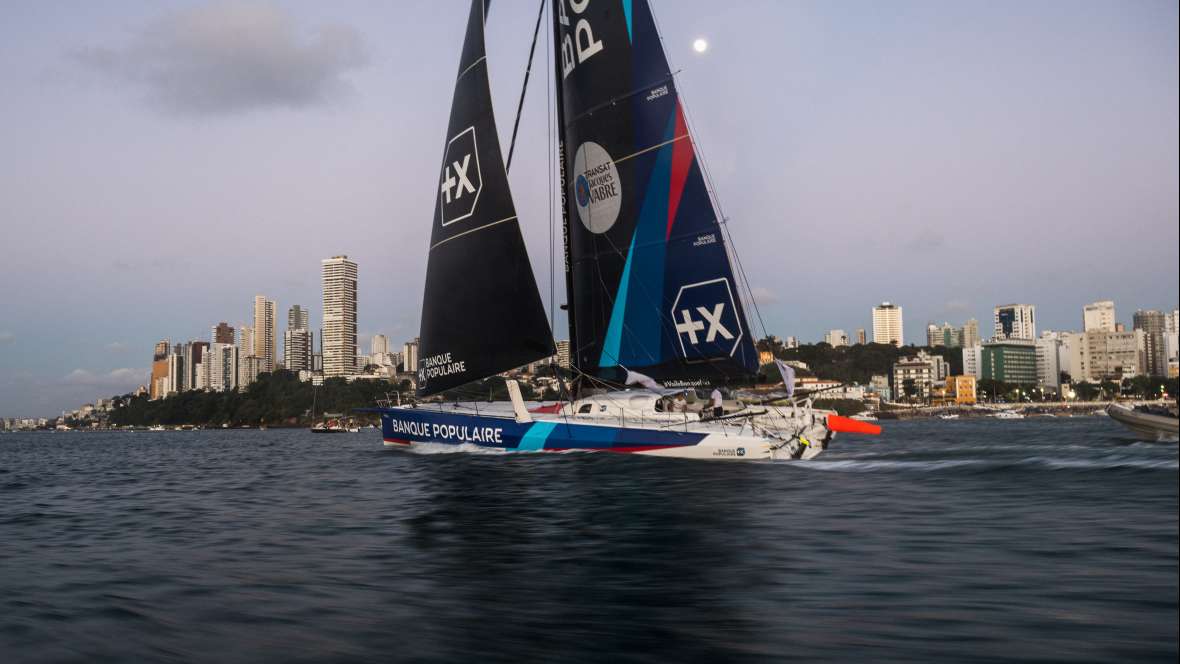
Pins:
x,y
397,442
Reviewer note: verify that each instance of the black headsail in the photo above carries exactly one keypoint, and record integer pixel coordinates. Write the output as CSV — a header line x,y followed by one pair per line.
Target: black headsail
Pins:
x,y
651,285
481,312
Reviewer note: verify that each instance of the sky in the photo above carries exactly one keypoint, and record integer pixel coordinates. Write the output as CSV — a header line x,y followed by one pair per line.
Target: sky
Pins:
x,y
163,162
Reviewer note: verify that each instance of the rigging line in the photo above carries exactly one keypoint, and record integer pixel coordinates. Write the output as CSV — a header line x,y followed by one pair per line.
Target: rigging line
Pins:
x,y
524,87
462,73
712,188
468,232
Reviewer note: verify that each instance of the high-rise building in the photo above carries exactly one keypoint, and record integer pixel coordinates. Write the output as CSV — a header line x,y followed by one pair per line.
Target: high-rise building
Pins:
x,y
1153,357
1097,356
158,381
944,335
1048,349
339,332
265,333
410,355
1015,321
563,353
1098,316
970,333
194,352
972,357
221,367
1013,361
379,345
887,325
836,338
297,349
298,318
933,335
223,333
860,336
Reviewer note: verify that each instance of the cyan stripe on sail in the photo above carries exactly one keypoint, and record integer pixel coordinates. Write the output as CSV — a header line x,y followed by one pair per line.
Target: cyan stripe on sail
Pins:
x,y
627,14
643,345
614,331
535,437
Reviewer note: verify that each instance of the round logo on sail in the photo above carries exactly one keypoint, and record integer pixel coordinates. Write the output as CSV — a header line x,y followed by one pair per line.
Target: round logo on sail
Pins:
x,y
597,189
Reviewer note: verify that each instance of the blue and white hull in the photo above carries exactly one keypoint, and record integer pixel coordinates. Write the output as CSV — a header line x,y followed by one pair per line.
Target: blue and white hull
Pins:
x,y
407,426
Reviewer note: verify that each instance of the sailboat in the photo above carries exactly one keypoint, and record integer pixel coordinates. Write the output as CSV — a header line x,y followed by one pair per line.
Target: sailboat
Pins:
x,y
653,300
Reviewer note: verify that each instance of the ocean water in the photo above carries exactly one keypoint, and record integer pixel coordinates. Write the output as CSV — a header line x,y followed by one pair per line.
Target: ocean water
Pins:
x,y
969,540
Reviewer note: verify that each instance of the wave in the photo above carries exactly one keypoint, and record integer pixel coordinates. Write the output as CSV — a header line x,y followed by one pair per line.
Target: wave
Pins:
x,y
865,465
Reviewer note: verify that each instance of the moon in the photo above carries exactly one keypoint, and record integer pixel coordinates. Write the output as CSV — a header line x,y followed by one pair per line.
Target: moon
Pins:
x,y
700,45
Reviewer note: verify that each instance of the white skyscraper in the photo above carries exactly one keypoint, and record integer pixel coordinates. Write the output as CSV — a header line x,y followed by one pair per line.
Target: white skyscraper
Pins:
x,y
1015,321
887,325
265,333
339,332
1098,317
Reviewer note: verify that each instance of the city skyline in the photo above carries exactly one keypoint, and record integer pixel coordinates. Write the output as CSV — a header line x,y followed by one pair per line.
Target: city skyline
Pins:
x,y
973,151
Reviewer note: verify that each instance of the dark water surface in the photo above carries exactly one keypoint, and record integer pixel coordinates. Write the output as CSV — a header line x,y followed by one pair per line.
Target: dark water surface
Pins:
x,y
964,540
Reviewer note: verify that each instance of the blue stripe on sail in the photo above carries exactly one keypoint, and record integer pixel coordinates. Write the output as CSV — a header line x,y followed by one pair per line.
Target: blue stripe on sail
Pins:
x,y
614,331
534,438
627,14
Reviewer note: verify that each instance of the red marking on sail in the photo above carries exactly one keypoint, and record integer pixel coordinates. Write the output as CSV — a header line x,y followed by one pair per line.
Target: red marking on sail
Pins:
x,y
681,163
554,408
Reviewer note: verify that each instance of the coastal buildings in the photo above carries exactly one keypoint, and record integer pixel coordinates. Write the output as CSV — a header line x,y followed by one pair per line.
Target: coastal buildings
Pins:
x,y
563,353
1009,361
972,357
265,334
1098,356
1153,357
1048,358
1098,317
961,389
338,338
970,333
1015,321
913,377
221,361
223,333
944,335
297,340
410,356
860,336
380,344
836,338
158,381
888,325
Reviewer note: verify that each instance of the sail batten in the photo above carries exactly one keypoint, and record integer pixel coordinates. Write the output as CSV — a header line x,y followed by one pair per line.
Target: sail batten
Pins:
x,y
482,312
651,284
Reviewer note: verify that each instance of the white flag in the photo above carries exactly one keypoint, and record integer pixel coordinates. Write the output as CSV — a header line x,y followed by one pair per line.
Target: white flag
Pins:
x,y
788,374
636,378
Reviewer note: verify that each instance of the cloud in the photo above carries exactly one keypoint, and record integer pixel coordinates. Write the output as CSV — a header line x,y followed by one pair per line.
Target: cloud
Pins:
x,y
926,240
118,378
229,57
764,295
956,306
7,337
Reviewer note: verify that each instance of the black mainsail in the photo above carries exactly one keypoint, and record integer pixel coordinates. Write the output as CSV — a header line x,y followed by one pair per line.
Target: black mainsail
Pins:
x,y
481,312
650,283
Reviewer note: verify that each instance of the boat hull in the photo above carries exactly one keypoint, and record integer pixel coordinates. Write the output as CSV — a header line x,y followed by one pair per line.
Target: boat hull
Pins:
x,y
409,426
1145,425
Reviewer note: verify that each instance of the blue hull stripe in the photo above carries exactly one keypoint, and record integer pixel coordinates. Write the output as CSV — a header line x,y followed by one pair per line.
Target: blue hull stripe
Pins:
x,y
536,436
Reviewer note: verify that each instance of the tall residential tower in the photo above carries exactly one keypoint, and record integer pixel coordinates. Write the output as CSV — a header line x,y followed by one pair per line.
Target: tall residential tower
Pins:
x,y
339,333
